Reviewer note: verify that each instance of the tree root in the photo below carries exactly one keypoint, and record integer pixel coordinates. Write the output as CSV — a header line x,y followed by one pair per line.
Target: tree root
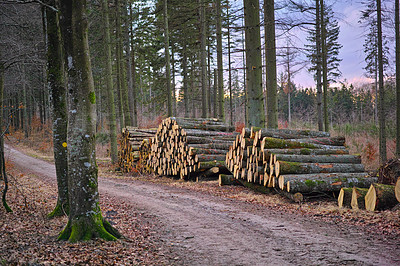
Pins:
x,y
85,228
59,210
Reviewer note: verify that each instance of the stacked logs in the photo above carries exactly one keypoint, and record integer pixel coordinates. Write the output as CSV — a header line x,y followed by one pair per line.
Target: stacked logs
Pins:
x,y
295,161
188,148
131,142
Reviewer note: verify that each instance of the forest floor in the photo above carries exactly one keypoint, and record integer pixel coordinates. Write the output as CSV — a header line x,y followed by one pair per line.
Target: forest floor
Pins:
x,y
170,222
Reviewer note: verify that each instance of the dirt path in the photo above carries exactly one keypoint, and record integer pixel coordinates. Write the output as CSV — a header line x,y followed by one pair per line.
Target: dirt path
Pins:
x,y
207,230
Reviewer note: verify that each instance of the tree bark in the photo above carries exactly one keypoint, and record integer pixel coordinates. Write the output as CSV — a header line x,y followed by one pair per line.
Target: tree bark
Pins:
x,y
324,65
255,105
310,168
381,109
112,123
167,60
397,34
270,60
220,70
325,182
344,198
58,91
318,74
85,220
342,159
203,58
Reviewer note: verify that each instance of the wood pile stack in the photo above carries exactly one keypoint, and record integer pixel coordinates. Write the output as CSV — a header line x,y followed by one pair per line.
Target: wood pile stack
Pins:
x,y
188,148
295,161
129,155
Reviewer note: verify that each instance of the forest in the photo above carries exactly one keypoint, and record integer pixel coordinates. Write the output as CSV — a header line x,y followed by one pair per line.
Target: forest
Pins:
x,y
163,88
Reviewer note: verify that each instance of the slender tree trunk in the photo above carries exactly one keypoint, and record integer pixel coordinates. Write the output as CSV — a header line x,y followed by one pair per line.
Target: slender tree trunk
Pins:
x,y
25,104
324,66
173,90
167,61
85,220
397,29
253,63
381,109
123,67
209,77
58,91
109,84
3,174
270,60
221,109
229,68
319,63
245,101
185,81
134,108
118,54
203,58
215,108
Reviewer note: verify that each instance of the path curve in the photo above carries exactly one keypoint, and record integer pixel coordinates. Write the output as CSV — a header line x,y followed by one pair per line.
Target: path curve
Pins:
x,y
208,230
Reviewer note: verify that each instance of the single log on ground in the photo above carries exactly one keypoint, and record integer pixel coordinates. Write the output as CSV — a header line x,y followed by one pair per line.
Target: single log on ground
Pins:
x,y
397,189
306,151
344,198
296,197
325,182
228,180
210,174
309,168
348,159
358,198
380,197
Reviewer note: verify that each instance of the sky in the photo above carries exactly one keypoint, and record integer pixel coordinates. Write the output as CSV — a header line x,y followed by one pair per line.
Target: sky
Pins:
x,y
351,37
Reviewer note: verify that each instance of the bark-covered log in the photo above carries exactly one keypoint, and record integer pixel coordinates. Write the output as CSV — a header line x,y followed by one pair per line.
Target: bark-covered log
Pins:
x,y
228,180
194,151
310,168
347,159
291,133
380,197
344,198
325,182
204,140
397,189
333,141
206,133
306,151
358,198
204,125
209,157
274,143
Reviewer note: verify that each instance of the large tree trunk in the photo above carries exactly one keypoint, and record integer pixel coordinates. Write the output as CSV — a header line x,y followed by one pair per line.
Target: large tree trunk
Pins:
x,y
381,109
255,105
270,60
109,84
397,30
221,109
85,220
58,91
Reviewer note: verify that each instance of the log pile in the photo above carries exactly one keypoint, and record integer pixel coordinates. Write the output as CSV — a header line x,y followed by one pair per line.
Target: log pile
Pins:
x,y
129,154
189,148
295,161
